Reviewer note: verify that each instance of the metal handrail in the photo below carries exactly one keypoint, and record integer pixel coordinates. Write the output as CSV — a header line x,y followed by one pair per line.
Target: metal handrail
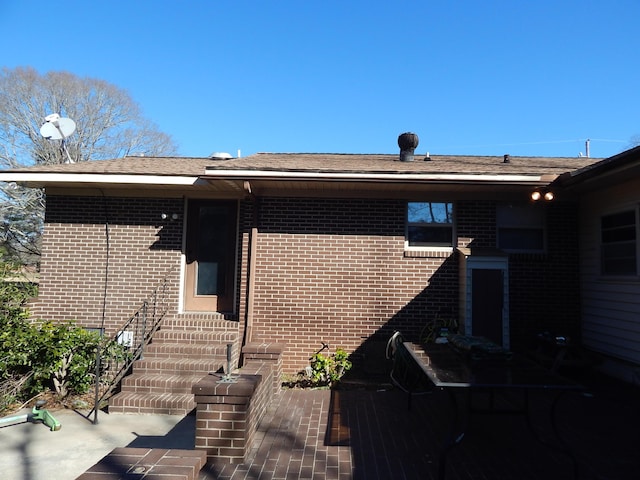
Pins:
x,y
134,335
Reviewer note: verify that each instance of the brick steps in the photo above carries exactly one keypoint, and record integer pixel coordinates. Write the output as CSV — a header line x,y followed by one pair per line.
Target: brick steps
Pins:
x,y
152,403
157,463
192,336
190,350
172,366
183,351
213,324
159,383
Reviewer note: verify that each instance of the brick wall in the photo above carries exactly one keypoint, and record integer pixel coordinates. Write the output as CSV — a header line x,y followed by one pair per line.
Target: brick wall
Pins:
x,y
544,289
335,271
326,270
85,235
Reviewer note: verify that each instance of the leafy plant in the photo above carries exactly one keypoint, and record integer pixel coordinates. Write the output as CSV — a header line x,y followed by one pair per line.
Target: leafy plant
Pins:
x,y
48,355
323,370
440,325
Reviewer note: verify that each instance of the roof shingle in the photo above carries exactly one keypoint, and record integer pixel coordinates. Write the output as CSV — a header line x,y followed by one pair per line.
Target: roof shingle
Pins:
x,y
319,162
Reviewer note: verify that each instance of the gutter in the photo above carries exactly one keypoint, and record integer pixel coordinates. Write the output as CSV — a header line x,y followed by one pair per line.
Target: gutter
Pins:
x,y
253,248
374,177
45,179
98,178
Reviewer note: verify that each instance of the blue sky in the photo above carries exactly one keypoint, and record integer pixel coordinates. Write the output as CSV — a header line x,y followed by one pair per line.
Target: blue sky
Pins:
x,y
469,77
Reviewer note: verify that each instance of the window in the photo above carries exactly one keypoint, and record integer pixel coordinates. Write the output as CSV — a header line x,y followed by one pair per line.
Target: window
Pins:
x,y
429,224
520,228
618,243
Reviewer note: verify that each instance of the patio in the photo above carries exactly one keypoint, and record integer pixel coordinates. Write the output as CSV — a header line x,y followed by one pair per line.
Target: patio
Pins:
x,y
366,432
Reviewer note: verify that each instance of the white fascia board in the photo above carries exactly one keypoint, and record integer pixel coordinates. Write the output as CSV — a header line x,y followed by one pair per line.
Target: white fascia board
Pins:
x,y
370,177
53,178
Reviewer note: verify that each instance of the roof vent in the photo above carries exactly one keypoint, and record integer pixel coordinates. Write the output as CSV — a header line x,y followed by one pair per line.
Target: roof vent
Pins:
x,y
407,142
220,156
506,158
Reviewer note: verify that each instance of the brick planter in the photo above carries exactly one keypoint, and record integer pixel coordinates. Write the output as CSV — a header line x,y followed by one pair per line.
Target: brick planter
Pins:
x,y
228,412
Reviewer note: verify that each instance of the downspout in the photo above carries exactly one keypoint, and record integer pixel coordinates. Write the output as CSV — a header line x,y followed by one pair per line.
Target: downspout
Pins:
x,y
251,268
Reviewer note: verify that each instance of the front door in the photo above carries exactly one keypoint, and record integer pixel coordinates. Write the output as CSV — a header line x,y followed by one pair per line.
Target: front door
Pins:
x,y
210,255
487,302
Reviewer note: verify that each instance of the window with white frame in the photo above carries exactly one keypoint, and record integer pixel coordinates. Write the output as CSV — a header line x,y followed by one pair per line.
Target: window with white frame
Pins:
x,y
520,228
429,224
618,243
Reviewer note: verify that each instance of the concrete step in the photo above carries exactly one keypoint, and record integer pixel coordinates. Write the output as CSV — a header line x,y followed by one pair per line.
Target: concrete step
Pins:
x,y
152,403
160,383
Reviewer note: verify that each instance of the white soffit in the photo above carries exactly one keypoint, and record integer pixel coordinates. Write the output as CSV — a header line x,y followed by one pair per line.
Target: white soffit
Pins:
x,y
71,178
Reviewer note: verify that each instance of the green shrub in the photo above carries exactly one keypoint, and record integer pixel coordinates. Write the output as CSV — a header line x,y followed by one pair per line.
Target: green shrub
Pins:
x,y
323,370
59,356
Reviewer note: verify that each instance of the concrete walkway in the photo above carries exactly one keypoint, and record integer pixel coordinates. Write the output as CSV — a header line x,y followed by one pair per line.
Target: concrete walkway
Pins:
x,y
30,451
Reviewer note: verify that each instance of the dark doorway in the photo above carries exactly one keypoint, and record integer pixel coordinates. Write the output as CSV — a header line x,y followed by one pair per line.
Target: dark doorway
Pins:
x,y
487,303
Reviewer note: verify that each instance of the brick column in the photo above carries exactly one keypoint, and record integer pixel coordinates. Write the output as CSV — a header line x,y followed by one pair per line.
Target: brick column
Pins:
x,y
222,416
265,353
228,412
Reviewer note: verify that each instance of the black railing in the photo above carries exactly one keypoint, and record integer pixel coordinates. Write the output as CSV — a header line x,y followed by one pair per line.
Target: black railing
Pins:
x,y
134,336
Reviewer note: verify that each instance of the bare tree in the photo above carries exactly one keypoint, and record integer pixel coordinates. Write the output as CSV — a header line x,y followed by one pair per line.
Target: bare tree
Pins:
x,y
109,124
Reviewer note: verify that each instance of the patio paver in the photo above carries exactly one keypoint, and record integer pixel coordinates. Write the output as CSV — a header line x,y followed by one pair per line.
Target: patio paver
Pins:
x,y
370,434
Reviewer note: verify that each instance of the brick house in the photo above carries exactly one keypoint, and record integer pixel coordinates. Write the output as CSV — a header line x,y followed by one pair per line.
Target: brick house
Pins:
x,y
301,249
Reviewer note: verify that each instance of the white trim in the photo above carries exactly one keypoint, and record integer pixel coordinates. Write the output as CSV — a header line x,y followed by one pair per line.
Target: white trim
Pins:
x,y
52,178
276,175
183,258
108,178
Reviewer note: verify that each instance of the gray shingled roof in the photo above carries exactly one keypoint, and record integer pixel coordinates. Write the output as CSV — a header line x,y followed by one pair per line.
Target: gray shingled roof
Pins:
x,y
389,164
318,162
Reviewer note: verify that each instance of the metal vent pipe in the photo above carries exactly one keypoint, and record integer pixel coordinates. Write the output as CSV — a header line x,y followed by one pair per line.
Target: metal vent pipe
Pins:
x,y
407,142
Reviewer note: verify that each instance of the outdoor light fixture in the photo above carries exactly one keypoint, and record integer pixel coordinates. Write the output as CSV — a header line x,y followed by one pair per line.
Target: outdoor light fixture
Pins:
x,y
542,194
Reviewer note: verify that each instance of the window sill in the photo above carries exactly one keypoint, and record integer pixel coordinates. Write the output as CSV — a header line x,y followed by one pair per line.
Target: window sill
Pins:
x,y
428,252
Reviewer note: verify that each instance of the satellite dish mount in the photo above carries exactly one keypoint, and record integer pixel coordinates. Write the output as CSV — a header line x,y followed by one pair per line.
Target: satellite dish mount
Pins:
x,y
58,128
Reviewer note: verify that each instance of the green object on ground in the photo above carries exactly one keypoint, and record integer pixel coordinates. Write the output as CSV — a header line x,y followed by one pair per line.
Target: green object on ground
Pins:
x,y
38,414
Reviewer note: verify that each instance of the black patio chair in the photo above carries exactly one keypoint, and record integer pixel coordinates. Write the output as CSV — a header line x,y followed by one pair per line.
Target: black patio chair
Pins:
x,y
406,374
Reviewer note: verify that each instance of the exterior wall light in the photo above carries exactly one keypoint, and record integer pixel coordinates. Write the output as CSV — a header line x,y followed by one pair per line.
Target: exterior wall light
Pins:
x,y
542,194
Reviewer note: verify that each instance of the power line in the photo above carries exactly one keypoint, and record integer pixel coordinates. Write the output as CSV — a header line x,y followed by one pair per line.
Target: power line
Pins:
x,y
546,142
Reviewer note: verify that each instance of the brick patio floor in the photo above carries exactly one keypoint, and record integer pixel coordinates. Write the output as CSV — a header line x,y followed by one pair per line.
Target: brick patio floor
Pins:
x,y
370,434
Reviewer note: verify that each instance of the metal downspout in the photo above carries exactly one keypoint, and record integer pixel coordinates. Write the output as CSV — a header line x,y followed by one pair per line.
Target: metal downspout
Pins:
x,y
253,240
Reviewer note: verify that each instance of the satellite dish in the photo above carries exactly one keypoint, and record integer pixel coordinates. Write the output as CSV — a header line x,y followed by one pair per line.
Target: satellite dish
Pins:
x,y
56,127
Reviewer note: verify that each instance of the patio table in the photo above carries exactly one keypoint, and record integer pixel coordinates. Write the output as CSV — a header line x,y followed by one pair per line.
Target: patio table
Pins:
x,y
456,372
